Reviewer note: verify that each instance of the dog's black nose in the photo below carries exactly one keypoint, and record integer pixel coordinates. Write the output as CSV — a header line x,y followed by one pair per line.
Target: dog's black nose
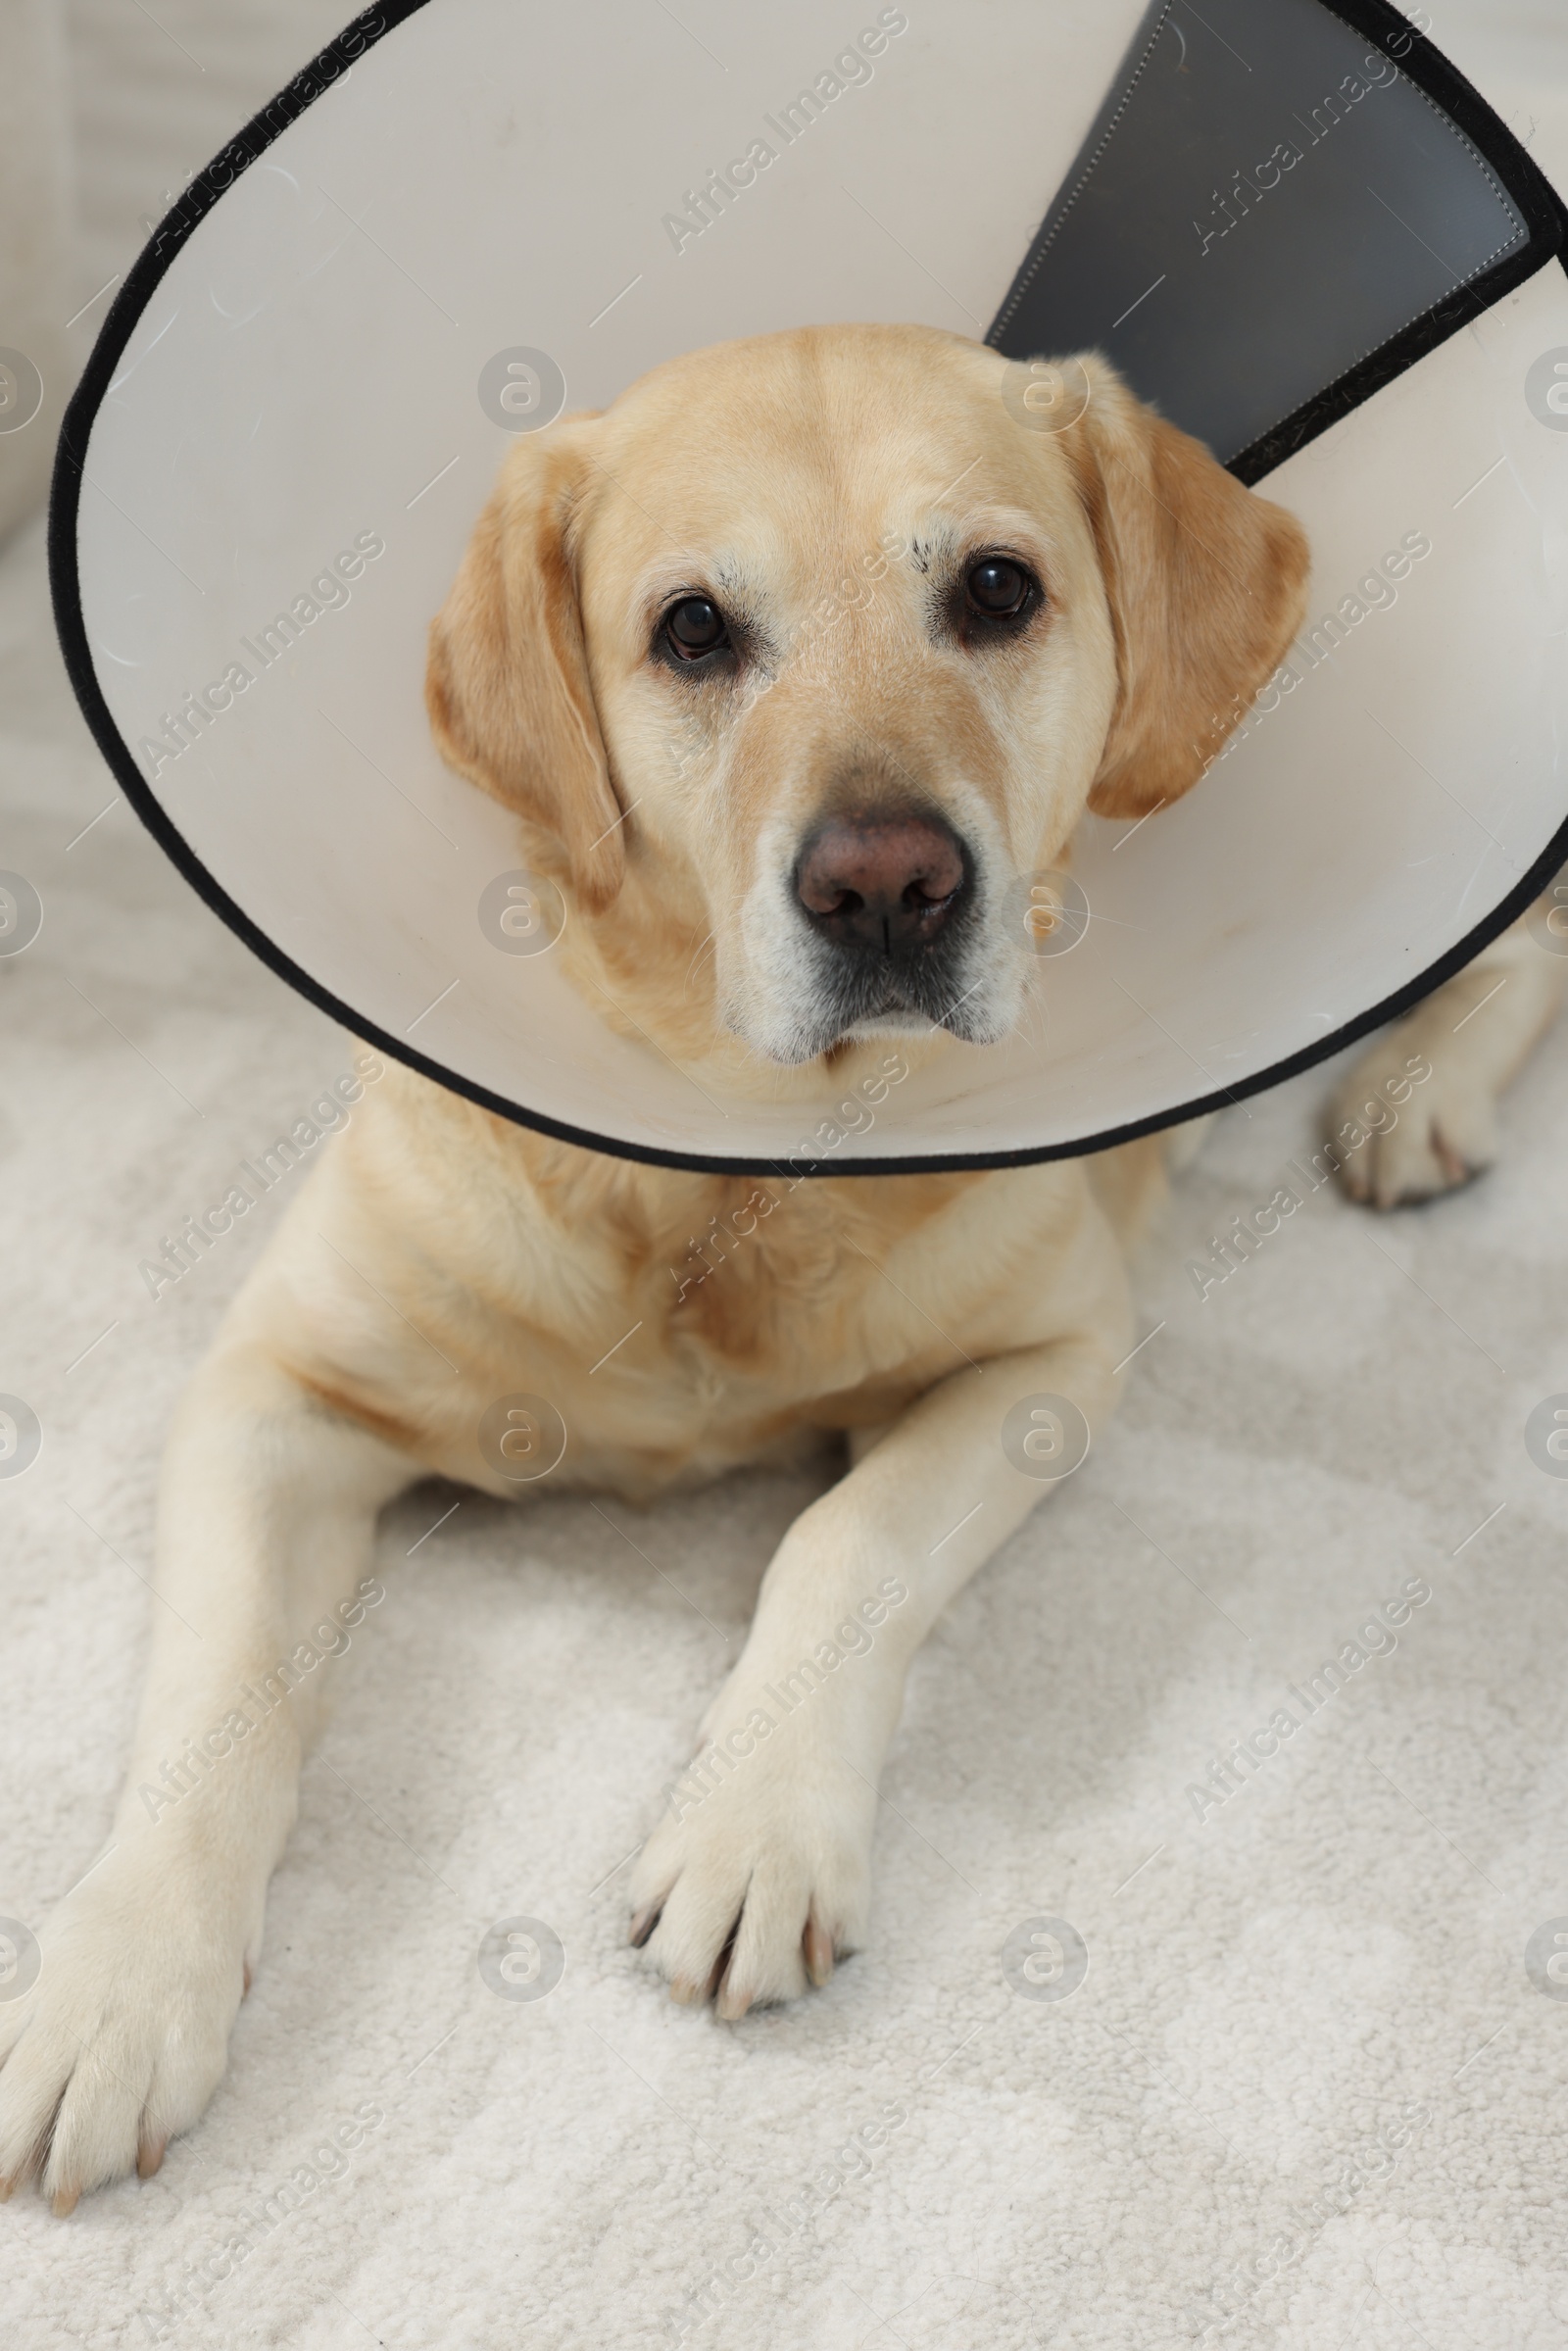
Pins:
x,y
881,881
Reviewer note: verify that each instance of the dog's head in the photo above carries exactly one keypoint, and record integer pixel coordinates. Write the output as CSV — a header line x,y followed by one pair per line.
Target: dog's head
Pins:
x,y
810,648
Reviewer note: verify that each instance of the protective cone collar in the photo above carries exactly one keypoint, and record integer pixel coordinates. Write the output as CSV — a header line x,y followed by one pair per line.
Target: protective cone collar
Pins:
x,y
1292,225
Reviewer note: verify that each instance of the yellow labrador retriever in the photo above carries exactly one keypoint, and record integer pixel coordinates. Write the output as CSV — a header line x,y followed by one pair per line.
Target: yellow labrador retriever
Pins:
x,y
788,842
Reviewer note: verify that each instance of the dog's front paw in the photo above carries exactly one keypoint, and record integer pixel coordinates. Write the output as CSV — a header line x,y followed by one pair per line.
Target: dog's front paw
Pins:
x,y
757,1876
1400,1142
122,2038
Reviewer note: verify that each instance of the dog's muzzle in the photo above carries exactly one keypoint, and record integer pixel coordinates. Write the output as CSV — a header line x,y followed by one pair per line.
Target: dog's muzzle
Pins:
x,y
889,894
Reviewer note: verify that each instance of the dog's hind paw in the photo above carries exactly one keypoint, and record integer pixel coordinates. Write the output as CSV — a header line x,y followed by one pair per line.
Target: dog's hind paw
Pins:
x,y
1391,1156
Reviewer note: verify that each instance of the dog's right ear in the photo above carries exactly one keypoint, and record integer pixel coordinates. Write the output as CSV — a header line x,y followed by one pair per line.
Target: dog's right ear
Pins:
x,y
506,676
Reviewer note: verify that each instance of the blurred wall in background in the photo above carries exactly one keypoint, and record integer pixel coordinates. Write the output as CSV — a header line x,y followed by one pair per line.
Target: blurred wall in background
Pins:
x,y
36,169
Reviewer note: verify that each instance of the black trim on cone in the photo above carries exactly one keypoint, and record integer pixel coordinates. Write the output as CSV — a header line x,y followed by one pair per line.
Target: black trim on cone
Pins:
x,y
1543,214
1424,65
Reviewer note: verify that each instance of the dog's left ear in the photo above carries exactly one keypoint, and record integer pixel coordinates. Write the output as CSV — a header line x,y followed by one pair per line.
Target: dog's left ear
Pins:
x,y
1206,583
507,682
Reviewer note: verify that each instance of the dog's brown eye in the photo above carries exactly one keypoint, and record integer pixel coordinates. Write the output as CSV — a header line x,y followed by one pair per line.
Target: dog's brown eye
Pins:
x,y
998,588
694,626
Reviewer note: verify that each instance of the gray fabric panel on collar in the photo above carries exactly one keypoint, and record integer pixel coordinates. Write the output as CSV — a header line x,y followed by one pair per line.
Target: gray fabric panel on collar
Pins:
x,y
1263,202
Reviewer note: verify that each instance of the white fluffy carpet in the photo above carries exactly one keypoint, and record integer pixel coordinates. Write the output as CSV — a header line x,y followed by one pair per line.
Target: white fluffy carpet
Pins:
x,y
1307,2093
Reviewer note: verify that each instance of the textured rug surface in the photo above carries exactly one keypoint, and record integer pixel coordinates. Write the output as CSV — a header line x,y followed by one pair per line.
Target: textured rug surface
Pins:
x,y
1308,2094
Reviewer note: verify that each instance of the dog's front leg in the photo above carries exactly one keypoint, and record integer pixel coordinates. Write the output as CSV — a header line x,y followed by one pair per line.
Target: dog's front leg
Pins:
x,y
266,1511
757,1871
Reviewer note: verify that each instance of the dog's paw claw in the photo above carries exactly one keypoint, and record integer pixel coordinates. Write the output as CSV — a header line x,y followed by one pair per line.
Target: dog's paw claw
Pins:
x,y
642,1926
